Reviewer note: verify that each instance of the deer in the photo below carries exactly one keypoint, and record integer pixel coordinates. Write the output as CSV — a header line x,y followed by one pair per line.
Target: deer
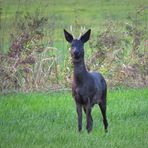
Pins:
x,y
88,88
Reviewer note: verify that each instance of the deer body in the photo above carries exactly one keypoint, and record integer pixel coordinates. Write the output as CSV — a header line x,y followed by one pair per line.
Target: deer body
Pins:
x,y
88,88
87,85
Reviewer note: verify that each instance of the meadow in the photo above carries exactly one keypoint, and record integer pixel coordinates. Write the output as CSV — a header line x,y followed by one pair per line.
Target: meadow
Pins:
x,y
50,120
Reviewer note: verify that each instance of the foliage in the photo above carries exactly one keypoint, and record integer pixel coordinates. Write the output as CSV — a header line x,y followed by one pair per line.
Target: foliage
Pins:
x,y
27,66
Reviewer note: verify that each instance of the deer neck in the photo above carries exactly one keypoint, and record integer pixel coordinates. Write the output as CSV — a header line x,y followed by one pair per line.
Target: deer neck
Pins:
x,y
80,71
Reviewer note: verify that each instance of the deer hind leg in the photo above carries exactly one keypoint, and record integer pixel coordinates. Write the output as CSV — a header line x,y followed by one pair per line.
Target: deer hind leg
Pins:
x,y
102,106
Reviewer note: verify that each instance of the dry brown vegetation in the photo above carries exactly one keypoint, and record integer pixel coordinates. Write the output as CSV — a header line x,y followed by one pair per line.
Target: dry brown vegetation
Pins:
x,y
119,52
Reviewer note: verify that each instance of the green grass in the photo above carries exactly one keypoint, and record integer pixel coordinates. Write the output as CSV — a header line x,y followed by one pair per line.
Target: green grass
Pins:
x,y
91,14
49,120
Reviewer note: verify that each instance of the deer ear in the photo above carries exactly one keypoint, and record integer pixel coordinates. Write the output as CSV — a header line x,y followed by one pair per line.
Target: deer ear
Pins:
x,y
85,37
68,36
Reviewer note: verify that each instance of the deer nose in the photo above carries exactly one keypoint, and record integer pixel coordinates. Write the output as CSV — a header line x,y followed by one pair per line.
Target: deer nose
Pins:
x,y
76,53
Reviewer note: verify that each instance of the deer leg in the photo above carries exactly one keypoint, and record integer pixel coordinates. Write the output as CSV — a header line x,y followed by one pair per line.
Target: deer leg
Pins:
x,y
89,118
103,111
79,112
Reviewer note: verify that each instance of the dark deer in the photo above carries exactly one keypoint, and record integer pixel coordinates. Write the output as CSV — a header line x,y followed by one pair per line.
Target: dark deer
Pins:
x,y
88,88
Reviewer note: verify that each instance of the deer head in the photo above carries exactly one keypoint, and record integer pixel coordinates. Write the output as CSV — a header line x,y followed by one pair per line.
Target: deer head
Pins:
x,y
77,45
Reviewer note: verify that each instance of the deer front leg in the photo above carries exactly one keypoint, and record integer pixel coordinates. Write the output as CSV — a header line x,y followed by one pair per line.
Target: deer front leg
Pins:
x,y
89,118
79,112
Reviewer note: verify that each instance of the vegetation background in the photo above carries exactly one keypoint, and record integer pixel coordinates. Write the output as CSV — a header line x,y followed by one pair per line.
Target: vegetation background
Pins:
x,y
34,54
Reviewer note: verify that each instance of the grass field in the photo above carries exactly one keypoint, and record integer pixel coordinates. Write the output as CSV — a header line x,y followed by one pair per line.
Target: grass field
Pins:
x,y
89,12
49,120
63,14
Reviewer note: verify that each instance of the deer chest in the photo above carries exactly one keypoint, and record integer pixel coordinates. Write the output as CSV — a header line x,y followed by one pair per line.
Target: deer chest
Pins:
x,y
82,94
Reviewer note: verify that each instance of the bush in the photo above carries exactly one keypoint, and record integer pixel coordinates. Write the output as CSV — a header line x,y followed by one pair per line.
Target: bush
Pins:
x,y
120,53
